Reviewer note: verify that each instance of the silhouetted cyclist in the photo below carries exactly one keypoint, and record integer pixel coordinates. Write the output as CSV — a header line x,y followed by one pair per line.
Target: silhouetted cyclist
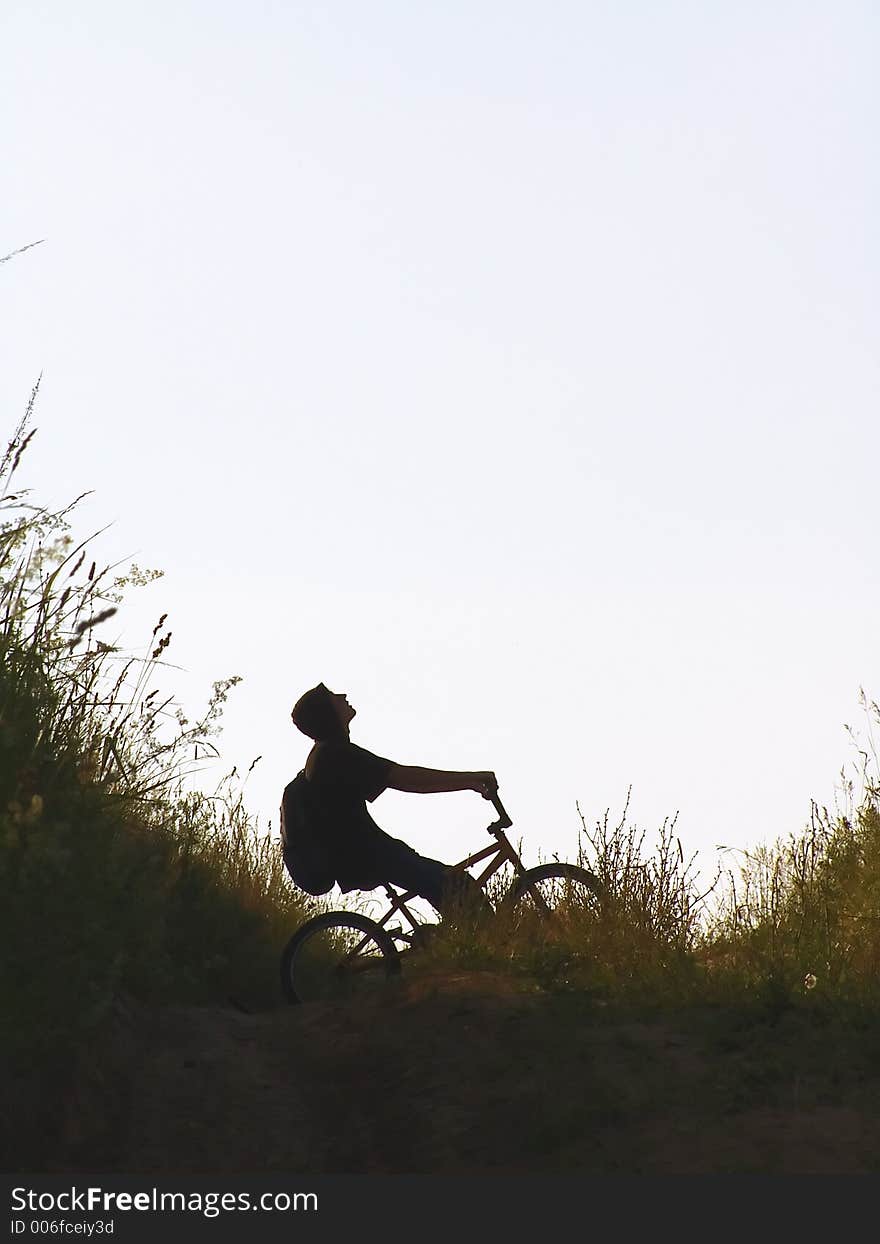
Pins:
x,y
344,777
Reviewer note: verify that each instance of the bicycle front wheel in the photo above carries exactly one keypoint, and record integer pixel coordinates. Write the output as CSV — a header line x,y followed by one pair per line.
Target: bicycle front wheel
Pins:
x,y
560,895
337,956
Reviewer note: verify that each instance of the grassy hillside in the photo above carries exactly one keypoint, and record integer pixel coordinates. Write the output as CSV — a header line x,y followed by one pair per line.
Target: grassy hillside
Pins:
x,y
113,876
118,882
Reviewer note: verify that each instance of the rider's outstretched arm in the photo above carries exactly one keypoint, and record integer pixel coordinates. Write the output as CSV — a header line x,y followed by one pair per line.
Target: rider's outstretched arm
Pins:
x,y
419,781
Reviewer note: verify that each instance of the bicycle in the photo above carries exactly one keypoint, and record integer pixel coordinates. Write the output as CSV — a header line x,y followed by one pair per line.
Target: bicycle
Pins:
x,y
338,954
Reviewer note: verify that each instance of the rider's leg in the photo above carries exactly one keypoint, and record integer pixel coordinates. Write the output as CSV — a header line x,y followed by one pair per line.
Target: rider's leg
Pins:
x,y
447,891
462,895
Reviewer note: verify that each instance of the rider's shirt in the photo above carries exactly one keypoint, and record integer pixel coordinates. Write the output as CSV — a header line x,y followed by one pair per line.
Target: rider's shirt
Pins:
x,y
344,778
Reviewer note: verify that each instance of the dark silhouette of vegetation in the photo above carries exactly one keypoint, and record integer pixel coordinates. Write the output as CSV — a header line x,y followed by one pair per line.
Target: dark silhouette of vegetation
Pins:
x,y
114,874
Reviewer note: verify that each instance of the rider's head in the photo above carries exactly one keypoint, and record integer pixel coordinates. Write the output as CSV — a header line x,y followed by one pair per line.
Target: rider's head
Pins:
x,y
322,714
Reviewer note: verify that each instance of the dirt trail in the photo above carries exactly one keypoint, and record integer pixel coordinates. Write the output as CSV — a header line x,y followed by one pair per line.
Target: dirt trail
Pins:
x,y
457,1074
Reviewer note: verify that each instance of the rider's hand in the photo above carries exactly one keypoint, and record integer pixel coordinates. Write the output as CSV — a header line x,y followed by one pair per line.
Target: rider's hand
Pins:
x,y
485,784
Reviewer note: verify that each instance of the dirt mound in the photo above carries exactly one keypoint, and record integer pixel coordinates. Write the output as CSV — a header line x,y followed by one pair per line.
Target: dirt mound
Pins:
x,y
458,1073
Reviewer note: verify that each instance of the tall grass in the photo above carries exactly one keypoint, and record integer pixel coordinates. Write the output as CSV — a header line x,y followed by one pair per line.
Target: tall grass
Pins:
x,y
635,938
795,922
803,914
114,873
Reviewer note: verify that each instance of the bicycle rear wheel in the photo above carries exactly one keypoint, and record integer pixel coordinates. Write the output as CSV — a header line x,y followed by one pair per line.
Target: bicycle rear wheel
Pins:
x,y
563,896
336,956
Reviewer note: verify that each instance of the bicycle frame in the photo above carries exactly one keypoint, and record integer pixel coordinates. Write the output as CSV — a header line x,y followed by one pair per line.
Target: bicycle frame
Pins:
x,y
499,854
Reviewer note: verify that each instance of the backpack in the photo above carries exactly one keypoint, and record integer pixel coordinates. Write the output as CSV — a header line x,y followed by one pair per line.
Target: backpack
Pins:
x,y
304,846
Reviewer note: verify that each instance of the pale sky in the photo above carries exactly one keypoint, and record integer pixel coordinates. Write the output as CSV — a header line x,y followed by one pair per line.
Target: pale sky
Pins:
x,y
512,367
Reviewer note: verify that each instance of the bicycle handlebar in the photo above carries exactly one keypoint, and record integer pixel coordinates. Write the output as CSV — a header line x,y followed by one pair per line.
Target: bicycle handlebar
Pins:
x,y
504,821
